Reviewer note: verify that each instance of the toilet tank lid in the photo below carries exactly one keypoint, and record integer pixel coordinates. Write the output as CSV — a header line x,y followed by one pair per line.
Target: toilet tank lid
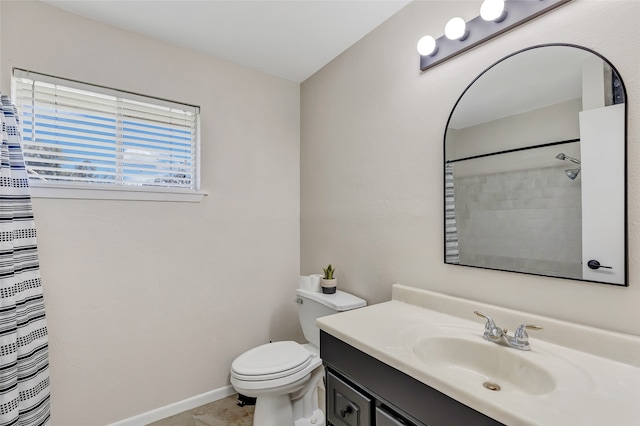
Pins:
x,y
338,301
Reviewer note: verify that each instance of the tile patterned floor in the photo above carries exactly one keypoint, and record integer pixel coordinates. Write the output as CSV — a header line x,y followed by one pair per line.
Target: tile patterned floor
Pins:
x,y
224,412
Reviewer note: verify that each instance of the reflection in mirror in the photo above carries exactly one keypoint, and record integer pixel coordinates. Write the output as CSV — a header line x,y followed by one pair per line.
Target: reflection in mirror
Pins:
x,y
535,168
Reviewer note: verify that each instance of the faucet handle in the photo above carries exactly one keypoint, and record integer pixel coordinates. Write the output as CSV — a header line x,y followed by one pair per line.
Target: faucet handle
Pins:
x,y
490,323
522,328
491,330
533,327
521,335
480,314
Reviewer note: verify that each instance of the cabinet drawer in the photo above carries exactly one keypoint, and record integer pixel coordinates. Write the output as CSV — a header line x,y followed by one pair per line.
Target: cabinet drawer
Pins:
x,y
346,405
384,418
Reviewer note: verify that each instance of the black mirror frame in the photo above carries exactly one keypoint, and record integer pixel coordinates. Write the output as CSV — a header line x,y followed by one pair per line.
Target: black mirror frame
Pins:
x,y
626,160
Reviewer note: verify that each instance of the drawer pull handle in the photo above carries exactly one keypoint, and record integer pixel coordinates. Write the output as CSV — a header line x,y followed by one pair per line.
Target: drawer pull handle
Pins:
x,y
343,413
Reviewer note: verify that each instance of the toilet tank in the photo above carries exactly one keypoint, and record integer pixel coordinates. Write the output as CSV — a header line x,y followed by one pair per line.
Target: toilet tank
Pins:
x,y
314,304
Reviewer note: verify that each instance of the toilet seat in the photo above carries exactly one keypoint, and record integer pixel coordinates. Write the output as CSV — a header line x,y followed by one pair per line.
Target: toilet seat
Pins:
x,y
271,361
285,376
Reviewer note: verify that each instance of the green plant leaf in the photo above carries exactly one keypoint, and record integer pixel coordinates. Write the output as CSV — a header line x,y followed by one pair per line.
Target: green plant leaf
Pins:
x,y
328,272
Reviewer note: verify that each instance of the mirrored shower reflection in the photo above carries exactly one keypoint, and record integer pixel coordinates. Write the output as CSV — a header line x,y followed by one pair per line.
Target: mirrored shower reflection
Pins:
x,y
514,214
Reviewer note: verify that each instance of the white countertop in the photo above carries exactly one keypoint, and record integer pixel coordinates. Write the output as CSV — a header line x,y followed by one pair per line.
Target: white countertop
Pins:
x,y
599,370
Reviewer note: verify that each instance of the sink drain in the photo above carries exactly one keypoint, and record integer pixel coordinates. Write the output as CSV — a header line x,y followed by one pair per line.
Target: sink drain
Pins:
x,y
491,386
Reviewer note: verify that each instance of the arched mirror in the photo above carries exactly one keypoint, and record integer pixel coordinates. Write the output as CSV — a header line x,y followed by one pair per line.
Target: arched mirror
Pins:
x,y
535,167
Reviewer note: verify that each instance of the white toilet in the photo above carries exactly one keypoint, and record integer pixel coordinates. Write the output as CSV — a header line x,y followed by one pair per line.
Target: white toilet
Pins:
x,y
284,376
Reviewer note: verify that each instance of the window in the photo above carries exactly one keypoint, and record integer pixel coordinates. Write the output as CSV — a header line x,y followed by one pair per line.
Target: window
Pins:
x,y
78,136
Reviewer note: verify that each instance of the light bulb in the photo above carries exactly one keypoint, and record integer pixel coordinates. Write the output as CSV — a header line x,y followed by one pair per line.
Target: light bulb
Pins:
x,y
456,29
493,10
427,46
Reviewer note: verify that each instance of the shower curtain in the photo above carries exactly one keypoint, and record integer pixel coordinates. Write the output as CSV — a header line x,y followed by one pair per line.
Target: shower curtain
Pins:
x,y
24,349
452,252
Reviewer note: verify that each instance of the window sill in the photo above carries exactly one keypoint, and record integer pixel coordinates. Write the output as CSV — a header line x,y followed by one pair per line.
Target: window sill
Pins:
x,y
72,191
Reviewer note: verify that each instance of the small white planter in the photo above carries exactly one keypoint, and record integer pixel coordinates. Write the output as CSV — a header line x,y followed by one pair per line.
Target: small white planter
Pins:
x,y
329,286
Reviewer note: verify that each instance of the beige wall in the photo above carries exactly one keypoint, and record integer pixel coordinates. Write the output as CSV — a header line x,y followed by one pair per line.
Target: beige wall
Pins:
x,y
148,303
371,161
138,319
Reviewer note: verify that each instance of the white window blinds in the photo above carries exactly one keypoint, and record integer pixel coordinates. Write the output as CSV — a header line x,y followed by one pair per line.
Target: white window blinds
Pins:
x,y
91,135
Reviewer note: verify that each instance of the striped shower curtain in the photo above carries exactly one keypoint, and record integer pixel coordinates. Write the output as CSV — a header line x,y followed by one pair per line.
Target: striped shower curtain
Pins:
x,y
452,252
24,351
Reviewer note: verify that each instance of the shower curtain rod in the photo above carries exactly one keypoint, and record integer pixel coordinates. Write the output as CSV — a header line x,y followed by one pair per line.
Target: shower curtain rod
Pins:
x,y
544,145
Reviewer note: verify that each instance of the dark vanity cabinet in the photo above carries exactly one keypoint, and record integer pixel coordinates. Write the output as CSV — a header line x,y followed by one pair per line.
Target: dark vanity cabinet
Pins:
x,y
362,391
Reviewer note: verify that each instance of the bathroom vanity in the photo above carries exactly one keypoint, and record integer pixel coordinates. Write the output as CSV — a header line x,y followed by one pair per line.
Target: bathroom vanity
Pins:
x,y
420,359
363,391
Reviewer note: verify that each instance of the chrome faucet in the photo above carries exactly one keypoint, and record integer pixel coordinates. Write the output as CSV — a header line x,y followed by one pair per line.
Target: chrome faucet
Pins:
x,y
495,334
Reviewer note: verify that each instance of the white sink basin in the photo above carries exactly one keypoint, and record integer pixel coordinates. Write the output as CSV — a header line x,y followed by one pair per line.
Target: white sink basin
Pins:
x,y
474,363
572,376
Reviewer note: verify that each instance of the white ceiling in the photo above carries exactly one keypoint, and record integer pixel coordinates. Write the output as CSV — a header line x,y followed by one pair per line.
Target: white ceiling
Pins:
x,y
289,39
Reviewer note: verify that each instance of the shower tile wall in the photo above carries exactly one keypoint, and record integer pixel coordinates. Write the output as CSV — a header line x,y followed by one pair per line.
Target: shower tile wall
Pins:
x,y
528,220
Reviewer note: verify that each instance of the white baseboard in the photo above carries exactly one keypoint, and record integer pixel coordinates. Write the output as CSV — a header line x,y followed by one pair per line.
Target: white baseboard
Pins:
x,y
176,408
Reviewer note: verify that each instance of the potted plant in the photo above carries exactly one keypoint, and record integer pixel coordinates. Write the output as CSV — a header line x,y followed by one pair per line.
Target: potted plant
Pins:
x,y
329,282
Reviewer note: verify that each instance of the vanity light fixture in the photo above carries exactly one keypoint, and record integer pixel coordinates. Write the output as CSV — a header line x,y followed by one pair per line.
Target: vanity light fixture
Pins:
x,y
496,17
493,10
427,46
456,29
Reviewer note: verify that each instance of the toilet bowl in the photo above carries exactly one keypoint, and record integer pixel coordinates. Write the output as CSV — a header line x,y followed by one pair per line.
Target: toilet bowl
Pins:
x,y
280,375
284,376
